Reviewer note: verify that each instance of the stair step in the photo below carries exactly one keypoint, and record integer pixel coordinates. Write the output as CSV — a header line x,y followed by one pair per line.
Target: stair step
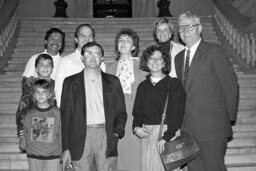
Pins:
x,y
8,132
9,139
143,34
15,96
247,76
107,27
13,156
246,120
240,159
8,95
247,101
13,147
245,80
240,130
8,108
238,167
7,118
244,127
9,147
9,84
242,150
22,165
249,142
14,164
244,134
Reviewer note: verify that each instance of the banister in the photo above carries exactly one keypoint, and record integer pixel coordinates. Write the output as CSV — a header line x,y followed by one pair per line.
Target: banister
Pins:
x,y
243,23
239,30
7,11
8,30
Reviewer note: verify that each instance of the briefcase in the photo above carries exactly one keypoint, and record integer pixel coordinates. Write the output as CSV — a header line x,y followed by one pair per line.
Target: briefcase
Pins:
x,y
179,151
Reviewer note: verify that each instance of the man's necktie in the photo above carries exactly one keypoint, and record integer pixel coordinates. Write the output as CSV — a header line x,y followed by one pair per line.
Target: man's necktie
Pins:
x,y
186,70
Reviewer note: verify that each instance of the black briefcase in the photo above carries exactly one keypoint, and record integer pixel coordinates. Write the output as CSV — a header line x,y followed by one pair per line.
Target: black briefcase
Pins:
x,y
179,151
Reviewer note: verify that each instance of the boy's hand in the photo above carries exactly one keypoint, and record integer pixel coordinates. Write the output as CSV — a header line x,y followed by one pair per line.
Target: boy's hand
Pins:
x,y
66,160
22,142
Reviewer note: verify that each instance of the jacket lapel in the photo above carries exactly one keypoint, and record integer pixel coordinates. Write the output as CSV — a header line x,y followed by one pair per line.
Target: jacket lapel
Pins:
x,y
107,90
179,64
79,91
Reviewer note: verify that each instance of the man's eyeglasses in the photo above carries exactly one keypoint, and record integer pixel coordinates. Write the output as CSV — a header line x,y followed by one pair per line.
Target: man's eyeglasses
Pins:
x,y
90,53
189,27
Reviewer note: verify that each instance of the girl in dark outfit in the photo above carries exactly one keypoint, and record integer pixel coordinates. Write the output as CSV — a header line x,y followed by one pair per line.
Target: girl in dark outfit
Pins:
x,y
149,104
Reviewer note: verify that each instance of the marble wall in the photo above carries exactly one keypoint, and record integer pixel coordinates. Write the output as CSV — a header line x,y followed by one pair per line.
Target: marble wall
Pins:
x,y
141,8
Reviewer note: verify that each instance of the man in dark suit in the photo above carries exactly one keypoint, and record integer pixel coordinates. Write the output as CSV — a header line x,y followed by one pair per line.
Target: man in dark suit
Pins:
x,y
93,115
212,94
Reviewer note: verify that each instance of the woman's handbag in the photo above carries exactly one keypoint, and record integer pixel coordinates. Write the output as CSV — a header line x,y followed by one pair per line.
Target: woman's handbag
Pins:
x,y
179,151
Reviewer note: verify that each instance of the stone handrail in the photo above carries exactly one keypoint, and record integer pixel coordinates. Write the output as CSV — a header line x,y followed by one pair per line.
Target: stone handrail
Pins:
x,y
239,31
8,27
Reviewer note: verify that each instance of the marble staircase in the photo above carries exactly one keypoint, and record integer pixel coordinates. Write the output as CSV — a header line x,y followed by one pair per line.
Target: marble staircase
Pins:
x,y
241,152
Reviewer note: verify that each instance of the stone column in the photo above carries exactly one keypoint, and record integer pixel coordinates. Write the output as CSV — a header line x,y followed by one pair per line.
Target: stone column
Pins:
x,y
61,6
163,6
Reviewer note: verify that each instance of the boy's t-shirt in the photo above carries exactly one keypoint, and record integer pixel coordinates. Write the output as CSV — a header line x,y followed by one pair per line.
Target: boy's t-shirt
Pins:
x,y
27,102
42,129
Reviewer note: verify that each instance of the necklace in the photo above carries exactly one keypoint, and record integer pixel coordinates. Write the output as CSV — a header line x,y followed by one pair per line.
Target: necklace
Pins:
x,y
155,80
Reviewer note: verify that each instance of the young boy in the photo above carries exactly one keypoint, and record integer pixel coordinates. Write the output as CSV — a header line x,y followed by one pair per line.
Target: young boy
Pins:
x,y
44,68
42,130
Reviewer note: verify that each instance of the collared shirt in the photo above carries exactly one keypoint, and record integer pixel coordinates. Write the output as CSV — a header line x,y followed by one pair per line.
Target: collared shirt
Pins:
x,y
94,100
30,67
69,65
176,48
192,51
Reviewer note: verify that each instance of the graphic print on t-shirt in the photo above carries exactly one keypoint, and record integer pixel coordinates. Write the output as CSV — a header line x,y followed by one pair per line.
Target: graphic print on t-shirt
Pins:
x,y
42,129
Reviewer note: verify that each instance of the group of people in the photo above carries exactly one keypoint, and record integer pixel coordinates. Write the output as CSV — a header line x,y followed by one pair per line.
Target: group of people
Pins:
x,y
74,109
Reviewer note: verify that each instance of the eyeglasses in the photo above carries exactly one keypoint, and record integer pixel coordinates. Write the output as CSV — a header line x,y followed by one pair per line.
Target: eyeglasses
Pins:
x,y
90,53
189,27
155,59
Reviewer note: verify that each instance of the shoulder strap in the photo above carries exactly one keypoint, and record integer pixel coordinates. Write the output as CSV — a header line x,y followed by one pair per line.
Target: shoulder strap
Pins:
x,y
164,112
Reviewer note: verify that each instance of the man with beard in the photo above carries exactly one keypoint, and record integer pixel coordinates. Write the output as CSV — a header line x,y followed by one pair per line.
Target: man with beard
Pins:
x,y
54,42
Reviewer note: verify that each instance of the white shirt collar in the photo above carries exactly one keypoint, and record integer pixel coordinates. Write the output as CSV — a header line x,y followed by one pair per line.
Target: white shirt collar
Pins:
x,y
192,50
45,51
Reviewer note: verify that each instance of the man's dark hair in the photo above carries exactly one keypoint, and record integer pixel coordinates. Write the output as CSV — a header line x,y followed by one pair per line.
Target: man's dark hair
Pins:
x,y
91,44
84,25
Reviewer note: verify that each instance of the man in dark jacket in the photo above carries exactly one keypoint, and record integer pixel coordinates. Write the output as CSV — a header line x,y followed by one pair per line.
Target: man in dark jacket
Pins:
x,y
93,115
212,94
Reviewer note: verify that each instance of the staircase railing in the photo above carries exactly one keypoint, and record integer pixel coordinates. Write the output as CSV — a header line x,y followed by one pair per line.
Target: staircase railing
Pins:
x,y
8,29
239,31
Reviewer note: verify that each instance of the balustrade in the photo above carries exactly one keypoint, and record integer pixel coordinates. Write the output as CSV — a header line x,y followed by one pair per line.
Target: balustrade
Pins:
x,y
7,32
242,42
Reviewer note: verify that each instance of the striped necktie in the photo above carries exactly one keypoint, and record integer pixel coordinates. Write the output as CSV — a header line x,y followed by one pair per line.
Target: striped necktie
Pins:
x,y
186,70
